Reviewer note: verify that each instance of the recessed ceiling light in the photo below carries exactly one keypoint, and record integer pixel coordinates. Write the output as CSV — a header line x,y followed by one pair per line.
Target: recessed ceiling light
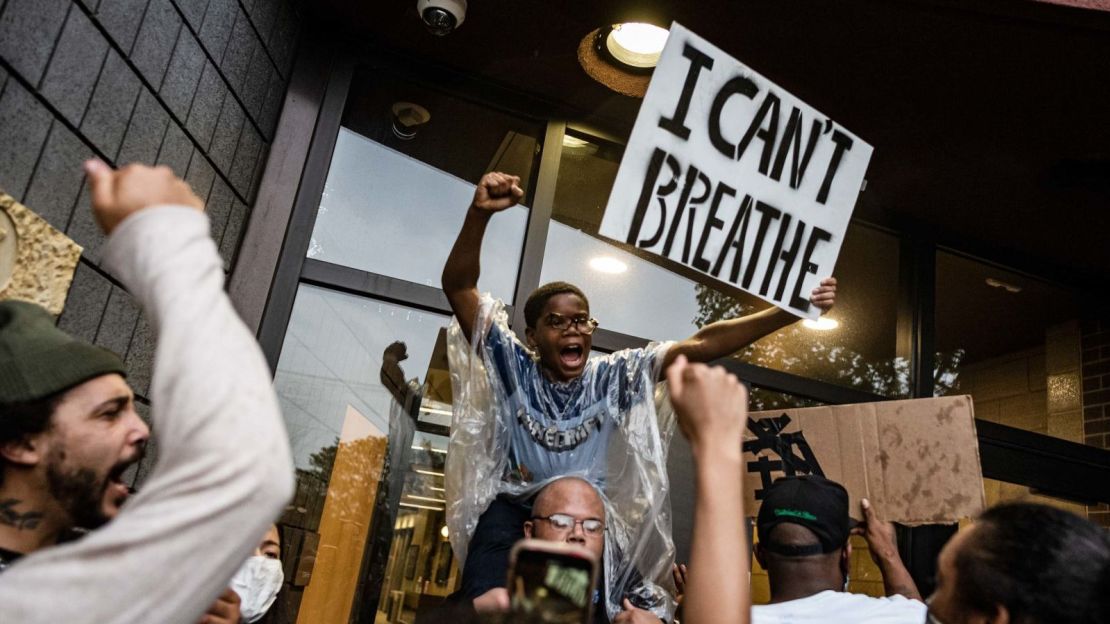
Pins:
x,y
822,324
636,44
608,264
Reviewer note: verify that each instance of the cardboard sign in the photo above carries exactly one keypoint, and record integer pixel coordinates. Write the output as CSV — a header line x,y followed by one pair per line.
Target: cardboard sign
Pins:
x,y
729,174
917,461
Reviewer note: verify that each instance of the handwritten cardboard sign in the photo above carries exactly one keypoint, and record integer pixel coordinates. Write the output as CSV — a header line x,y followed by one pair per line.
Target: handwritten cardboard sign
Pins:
x,y
917,461
729,174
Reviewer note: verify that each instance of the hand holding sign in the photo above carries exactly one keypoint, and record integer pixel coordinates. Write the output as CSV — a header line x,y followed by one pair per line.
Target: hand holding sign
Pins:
x,y
730,175
824,296
882,543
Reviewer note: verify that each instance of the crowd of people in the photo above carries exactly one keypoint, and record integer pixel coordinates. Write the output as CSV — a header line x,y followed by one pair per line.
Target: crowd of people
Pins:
x,y
198,543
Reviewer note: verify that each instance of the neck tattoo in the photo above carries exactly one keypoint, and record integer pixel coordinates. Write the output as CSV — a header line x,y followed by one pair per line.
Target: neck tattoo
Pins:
x,y
22,521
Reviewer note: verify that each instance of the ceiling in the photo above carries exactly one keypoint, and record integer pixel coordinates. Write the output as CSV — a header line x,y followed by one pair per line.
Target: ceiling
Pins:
x,y
990,119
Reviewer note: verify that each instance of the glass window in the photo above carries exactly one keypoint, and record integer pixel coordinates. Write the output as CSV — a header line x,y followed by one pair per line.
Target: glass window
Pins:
x,y
394,206
1013,343
421,562
642,295
337,413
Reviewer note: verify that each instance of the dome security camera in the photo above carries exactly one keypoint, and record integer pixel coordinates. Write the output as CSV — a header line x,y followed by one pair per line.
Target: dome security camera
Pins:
x,y
442,17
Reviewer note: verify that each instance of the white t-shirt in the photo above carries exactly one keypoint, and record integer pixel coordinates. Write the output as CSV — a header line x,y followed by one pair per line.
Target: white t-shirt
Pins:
x,y
833,607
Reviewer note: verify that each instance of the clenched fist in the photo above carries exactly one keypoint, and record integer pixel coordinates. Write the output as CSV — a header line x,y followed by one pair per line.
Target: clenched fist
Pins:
x,y
116,195
497,191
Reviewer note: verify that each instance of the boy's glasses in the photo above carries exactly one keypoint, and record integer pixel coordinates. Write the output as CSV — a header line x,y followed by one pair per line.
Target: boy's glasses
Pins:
x,y
584,324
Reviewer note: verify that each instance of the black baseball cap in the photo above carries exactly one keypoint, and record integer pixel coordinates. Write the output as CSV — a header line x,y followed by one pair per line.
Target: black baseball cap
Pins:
x,y
811,501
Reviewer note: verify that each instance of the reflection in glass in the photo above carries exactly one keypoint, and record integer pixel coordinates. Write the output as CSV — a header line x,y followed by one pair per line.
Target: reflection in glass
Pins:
x,y
331,360
1013,343
385,212
641,295
764,400
421,563
337,414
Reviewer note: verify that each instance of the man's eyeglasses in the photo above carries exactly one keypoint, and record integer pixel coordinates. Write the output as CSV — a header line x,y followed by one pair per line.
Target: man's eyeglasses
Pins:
x,y
565,523
584,324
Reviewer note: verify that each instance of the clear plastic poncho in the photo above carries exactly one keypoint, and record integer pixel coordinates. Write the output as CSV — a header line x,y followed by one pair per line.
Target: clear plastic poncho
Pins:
x,y
513,432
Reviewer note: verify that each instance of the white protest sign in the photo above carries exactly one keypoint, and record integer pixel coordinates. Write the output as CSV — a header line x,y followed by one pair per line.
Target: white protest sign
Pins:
x,y
731,175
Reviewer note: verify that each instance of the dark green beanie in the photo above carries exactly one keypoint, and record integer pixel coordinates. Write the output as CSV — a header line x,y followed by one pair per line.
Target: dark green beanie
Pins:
x,y
37,359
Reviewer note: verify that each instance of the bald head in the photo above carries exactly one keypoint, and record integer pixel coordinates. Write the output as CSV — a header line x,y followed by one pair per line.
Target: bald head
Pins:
x,y
569,496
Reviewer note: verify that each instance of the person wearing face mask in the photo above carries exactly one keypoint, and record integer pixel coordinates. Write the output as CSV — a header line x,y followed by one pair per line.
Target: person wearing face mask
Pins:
x,y
803,544
259,580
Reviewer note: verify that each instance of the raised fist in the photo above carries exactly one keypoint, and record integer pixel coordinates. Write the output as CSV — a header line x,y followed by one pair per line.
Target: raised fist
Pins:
x,y
497,191
118,194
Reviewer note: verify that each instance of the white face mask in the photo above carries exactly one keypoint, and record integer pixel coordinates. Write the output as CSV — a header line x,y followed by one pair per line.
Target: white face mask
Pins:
x,y
257,584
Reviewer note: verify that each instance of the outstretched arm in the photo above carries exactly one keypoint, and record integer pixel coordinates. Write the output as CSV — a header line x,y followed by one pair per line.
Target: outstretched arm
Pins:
x,y
711,405
224,468
883,546
724,338
495,192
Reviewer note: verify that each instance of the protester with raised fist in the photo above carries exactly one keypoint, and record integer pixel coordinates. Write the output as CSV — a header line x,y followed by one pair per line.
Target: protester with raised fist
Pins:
x,y
68,429
555,411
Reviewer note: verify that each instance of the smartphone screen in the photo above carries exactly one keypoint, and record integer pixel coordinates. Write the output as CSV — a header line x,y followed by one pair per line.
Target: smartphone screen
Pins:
x,y
551,583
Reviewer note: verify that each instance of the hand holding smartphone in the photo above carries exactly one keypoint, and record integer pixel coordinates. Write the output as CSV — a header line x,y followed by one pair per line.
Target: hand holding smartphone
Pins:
x,y
551,582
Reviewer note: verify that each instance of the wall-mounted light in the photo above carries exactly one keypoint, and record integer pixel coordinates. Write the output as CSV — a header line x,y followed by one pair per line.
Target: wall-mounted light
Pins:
x,y
822,324
608,264
444,532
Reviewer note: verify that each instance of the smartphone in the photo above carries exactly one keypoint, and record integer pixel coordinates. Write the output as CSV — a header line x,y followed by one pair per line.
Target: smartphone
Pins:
x,y
551,582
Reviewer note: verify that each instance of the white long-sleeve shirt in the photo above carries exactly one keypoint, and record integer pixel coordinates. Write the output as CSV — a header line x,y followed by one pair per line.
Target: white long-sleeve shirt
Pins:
x,y
224,470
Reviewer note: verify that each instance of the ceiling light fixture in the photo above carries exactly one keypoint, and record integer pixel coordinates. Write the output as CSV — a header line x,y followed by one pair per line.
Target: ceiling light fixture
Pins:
x,y
578,147
608,264
407,119
636,44
415,506
822,324
425,498
573,141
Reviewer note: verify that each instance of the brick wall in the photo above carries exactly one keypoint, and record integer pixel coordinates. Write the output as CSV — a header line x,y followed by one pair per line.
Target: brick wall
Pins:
x,y
1035,390
1096,396
194,84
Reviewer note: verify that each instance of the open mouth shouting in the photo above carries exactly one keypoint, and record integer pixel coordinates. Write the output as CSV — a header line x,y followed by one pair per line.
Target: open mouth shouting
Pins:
x,y
572,355
115,489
